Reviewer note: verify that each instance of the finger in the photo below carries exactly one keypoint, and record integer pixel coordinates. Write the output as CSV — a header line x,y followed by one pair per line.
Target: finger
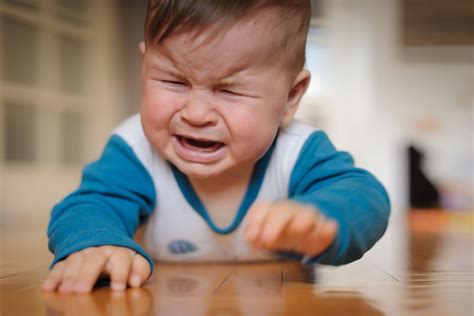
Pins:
x,y
93,266
299,228
72,266
320,238
119,268
54,277
255,219
302,223
140,271
274,226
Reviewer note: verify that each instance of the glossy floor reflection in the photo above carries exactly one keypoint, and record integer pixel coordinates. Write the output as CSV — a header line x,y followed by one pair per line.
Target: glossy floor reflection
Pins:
x,y
424,266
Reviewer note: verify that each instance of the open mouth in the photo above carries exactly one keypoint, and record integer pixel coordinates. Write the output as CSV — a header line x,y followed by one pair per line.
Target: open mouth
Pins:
x,y
200,145
198,150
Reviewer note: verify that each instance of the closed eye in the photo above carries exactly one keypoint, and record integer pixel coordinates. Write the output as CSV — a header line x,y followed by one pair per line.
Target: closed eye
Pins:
x,y
174,83
230,92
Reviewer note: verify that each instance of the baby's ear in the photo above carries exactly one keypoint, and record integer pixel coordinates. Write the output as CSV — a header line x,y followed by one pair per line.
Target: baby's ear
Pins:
x,y
142,48
297,90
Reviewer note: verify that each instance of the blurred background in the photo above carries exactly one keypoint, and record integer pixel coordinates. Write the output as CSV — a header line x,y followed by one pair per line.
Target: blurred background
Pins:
x,y
392,83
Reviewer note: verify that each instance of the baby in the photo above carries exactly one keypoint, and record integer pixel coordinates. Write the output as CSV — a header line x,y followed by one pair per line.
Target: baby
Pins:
x,y
214,164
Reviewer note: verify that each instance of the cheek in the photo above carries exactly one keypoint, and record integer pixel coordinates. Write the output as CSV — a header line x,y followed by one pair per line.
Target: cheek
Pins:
x,y
260,117
157,110
157,107
253,129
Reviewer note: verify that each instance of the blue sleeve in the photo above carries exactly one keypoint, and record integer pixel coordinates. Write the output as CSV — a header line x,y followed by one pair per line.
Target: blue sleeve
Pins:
x,y
115,194
328,180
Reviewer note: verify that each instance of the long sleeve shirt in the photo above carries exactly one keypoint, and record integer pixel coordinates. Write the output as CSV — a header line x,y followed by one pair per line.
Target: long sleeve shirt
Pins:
x,y
132,184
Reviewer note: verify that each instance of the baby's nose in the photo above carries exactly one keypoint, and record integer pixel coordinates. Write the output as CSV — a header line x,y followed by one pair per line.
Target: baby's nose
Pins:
x,y
199,112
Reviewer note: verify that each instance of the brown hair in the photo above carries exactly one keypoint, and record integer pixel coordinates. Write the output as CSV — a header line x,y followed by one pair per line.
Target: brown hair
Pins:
x,y
165,17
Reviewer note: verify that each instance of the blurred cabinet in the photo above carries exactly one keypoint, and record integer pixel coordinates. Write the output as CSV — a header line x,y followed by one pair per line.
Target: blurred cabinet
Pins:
x,y
437,22
56,83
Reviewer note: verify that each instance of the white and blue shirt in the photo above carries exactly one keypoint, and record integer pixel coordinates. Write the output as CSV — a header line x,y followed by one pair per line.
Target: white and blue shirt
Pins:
x,y
131,183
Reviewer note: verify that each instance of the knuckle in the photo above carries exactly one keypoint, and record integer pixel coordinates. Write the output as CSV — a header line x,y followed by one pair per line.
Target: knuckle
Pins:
x,y
127,252
305,223
94,255
309,213
76,256
306,215
92,251
122,255
297,229
89,250
106,250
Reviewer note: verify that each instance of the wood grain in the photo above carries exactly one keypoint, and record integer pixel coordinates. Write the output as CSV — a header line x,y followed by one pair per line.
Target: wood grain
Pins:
x,y
436,277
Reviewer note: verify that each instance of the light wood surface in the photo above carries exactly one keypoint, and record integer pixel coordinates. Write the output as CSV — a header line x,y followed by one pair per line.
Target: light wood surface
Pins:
x,y
423,266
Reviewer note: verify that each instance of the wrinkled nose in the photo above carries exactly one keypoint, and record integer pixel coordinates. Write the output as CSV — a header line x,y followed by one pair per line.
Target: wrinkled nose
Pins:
x,y
199,112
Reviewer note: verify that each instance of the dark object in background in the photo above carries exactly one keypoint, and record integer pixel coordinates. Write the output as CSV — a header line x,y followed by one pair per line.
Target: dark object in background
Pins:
x,y
437,22
423,193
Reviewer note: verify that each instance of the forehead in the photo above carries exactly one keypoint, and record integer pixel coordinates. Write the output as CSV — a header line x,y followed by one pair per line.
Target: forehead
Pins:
x,y
249,42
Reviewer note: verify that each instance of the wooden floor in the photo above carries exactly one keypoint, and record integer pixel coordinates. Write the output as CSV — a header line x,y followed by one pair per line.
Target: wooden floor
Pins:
x,y
423,266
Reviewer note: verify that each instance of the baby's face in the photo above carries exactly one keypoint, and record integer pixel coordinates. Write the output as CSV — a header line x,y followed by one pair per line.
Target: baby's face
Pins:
x,y
213,106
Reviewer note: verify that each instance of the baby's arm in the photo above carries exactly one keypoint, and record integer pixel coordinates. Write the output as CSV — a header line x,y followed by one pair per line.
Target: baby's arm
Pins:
x,y
115,193
336,211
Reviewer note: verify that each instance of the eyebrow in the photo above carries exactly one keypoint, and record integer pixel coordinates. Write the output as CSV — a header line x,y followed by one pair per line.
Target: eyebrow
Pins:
x,y
227,82
170,72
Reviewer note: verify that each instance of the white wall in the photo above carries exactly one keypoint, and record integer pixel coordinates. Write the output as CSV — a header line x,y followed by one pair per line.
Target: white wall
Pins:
x,y
379,98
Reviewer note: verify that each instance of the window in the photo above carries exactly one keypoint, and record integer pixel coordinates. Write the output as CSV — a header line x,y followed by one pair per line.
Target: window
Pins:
x,y
316,61
313,108
57,90
45,98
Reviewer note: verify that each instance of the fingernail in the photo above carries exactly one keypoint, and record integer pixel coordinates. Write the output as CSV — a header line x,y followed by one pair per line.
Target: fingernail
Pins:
x,y
135,280
118,286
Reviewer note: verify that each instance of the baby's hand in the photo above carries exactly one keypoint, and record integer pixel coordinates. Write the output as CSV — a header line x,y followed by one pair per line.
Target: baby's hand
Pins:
x,y
289,226
79,272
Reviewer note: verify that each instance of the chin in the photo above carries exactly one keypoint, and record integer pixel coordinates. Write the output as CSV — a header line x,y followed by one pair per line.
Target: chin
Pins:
x,y
199,171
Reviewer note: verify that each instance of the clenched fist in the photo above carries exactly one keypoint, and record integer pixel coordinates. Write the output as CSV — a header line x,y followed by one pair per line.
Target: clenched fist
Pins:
x,y
289,226
79,272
